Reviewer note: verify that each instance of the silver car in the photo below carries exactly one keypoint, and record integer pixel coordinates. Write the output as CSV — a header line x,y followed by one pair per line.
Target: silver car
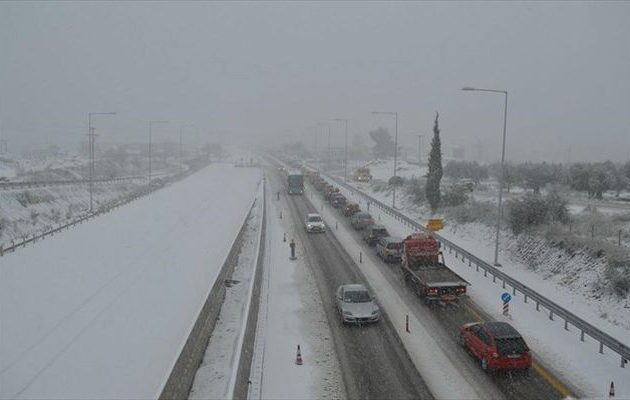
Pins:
x,y
356,305
314,223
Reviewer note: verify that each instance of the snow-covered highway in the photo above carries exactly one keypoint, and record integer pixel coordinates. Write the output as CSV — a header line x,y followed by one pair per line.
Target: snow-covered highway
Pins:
x,y
103,310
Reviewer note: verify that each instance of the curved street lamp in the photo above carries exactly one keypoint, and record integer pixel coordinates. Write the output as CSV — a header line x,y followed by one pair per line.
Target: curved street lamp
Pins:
x,y
500,210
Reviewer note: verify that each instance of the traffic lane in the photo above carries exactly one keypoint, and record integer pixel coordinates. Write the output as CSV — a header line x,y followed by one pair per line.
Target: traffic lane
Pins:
x,y
446,321
385,368
374,361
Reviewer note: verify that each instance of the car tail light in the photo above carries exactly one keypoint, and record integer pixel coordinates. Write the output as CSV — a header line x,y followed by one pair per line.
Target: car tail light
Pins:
x,y
433,291
461,290
495,355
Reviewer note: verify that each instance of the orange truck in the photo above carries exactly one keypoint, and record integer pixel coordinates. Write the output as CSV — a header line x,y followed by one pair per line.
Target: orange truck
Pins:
x,y
424,270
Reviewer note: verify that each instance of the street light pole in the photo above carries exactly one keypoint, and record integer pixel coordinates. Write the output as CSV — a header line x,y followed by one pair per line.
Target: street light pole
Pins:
x,y
502,177
181,146
329,148
91,153
420,150
395,114
345,159
151,145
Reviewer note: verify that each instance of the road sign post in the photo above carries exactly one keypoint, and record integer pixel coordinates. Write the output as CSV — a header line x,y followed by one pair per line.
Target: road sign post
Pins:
x,y
506,297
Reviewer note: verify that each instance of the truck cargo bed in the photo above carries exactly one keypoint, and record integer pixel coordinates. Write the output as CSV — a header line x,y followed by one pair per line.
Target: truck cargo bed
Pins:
x,y
438,276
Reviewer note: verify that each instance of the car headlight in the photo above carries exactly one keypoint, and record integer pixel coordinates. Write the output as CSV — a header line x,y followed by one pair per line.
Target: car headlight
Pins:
x,y
309,226
347,313
375,312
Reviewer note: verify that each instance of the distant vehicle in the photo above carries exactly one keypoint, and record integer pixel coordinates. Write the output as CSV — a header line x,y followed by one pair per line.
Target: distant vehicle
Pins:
x,y
337,200
330,189
314,223
424,269
373,233
157,183
389,248
4,179
360,220
296,182
356,305
351,209
497,344
362,175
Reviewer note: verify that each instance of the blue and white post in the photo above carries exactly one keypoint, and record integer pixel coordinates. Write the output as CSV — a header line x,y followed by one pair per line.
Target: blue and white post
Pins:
x,y
506,297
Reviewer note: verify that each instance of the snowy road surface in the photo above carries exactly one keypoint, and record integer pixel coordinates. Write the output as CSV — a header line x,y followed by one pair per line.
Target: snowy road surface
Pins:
x,y
102,310
291,313
373,361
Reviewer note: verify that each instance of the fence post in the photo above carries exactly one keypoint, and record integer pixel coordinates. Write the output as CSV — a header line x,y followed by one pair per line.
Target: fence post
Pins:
x,y
592,231
619,238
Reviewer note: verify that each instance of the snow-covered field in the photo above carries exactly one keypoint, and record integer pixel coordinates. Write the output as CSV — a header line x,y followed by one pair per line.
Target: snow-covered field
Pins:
x,y
103,310
579,362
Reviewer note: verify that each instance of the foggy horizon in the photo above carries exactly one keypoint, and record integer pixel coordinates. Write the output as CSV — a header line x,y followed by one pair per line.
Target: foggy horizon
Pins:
x,y
255,73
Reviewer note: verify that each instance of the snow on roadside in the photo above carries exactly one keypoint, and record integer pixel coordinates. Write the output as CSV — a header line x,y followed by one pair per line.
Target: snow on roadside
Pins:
x,y
434,363
578,362
291,313
572,292
103,310
215,377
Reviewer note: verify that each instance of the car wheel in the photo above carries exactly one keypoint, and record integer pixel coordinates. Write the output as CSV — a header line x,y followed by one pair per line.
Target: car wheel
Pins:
x,y
484,363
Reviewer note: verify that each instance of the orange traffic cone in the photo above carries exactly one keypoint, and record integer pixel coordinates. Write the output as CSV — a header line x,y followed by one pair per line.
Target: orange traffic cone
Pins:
x,y
298,357
611,392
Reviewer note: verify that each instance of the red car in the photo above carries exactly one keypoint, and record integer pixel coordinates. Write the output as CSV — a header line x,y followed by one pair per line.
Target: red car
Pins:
x,y
497,344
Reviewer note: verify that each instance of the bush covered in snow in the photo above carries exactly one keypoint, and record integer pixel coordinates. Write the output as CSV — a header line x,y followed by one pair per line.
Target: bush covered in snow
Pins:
x,y
532,210
454,196
414,187
473,211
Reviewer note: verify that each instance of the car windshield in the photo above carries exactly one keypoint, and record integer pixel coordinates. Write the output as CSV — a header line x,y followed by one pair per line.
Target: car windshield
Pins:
x,y
356,296
315,218
394,246
380,232
509,346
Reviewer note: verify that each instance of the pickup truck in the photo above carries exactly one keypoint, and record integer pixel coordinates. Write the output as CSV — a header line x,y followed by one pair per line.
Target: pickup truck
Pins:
x,y
424,270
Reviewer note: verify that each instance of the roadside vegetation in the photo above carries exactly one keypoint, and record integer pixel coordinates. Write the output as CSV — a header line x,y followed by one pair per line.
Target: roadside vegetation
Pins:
x,y
541,230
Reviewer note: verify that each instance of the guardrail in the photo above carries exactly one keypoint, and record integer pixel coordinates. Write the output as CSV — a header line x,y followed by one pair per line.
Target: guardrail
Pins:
x,y
109,207
33,184
528,293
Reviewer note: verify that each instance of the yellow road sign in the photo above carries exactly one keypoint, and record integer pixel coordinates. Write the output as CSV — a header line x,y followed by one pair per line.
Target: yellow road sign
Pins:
x,y
435,224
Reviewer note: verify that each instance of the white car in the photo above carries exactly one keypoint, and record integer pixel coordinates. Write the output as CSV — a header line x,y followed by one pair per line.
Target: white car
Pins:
x,y
314,223
356,305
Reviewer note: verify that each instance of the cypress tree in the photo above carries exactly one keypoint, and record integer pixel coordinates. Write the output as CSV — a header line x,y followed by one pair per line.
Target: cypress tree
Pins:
x,y
435,168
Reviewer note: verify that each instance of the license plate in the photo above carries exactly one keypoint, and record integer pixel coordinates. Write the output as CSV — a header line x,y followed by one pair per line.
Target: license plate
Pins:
x,y
514,356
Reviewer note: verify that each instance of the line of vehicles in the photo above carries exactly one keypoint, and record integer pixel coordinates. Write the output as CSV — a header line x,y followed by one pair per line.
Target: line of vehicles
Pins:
x,y
497,345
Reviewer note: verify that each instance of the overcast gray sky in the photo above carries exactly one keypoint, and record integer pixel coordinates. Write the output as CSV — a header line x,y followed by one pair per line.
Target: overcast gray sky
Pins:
x,y
259,70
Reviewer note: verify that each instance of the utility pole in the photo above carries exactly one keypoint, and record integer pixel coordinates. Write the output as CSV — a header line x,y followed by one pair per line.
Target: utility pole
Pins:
x,y
420,150
91,153
151,145
395,114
